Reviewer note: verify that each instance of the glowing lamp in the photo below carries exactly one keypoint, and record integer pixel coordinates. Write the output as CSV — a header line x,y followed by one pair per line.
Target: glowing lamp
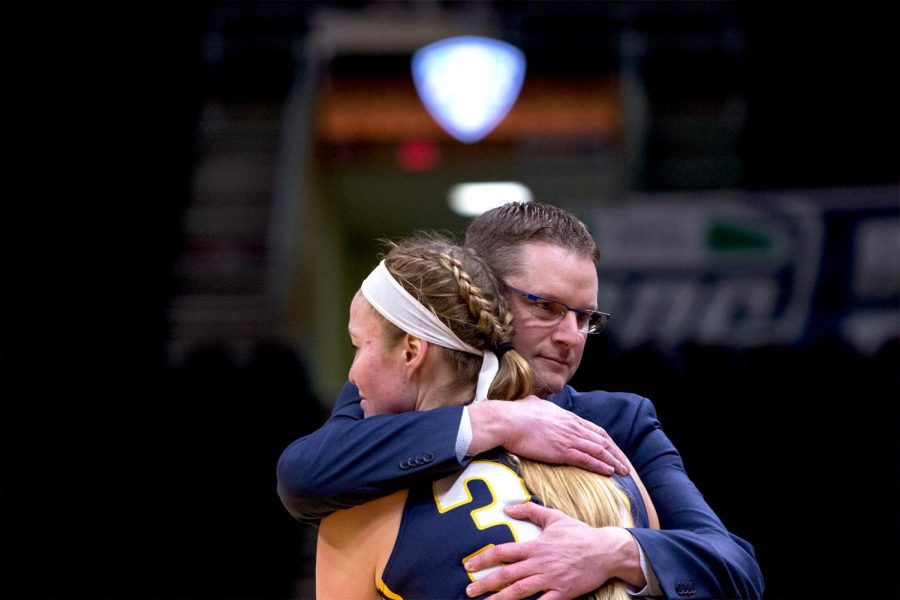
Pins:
x,y
472,199
468,83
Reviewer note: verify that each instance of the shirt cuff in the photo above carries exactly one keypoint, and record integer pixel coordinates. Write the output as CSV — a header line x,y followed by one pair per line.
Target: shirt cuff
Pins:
x,y
464,437
652,588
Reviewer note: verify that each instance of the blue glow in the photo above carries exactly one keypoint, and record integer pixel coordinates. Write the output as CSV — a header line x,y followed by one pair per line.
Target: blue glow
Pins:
x,y
468,84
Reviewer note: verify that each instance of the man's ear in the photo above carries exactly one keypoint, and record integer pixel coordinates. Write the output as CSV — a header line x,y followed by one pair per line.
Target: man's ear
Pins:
x,y
415,349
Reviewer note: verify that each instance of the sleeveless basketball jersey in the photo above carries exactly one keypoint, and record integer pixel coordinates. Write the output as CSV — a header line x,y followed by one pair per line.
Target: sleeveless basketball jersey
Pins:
x,y
451,519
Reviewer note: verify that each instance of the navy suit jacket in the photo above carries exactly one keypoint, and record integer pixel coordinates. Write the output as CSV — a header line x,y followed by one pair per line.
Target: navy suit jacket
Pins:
x,y
351,460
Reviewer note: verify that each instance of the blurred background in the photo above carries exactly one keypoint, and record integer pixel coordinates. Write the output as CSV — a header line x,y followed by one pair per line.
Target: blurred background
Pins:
x,y
193,193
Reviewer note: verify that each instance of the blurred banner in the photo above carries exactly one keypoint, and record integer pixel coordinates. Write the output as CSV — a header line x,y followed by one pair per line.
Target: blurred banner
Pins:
x,y
742,269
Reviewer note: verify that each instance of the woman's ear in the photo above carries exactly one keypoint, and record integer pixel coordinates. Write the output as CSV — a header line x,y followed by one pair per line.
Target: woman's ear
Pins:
x,y
415,349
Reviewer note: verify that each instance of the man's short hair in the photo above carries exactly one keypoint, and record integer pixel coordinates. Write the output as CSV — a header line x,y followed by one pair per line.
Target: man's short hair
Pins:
x,y
498,234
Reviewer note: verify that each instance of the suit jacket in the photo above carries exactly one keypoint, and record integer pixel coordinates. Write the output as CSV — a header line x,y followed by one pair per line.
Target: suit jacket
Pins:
x,y
350,460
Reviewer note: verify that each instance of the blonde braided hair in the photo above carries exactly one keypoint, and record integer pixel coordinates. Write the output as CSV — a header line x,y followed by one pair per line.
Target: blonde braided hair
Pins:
x,y
461,290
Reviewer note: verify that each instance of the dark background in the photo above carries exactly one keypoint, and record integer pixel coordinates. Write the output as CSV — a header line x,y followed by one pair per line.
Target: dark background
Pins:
x,y
124,477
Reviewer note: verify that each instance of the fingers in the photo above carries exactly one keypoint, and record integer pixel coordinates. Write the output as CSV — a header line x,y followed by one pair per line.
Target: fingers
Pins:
x,y
610,446
535,513
597,458
543,431
514,579
523,588
499,554
542,566
588,459
517,569
601,454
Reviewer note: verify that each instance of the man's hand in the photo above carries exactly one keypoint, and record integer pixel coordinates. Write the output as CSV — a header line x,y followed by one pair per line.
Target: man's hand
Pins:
x,y
567,560
540,430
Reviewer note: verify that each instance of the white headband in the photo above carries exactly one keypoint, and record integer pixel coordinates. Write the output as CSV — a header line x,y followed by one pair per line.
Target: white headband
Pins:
x,y
399,307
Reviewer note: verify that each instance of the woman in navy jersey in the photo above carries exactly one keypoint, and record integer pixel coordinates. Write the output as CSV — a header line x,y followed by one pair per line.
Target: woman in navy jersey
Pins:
x,y
431,328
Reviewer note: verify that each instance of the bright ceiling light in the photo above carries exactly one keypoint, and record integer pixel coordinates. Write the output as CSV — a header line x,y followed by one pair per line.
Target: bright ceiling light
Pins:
x,y
472,199
468,83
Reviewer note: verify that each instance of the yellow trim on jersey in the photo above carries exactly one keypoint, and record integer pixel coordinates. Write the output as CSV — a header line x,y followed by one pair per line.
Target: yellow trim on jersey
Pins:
x,y
386,592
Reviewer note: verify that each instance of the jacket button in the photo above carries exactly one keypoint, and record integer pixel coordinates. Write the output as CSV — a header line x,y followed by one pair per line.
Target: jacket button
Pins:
x,y
429,457
685,588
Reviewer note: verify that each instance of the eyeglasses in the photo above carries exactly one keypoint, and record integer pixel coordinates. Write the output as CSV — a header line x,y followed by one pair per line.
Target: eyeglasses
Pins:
x,y
552,312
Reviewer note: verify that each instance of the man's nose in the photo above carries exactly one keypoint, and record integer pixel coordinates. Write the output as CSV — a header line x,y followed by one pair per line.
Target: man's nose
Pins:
x,y
567,329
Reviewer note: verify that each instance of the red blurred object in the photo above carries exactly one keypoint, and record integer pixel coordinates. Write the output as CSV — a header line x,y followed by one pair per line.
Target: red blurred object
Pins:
x,y
418,155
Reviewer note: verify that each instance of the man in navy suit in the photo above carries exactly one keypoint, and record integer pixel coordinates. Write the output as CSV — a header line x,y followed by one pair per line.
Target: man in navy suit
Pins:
x,y
547,260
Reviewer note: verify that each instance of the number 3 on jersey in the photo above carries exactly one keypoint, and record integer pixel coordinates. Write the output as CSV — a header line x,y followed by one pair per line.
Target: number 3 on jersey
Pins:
x,y
506,488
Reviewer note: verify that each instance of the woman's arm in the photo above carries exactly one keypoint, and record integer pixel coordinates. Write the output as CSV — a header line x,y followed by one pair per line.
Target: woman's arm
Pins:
x,y
354,546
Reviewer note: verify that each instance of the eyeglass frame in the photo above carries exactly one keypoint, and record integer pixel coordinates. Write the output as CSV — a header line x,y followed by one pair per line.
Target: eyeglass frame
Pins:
x,y
598,316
